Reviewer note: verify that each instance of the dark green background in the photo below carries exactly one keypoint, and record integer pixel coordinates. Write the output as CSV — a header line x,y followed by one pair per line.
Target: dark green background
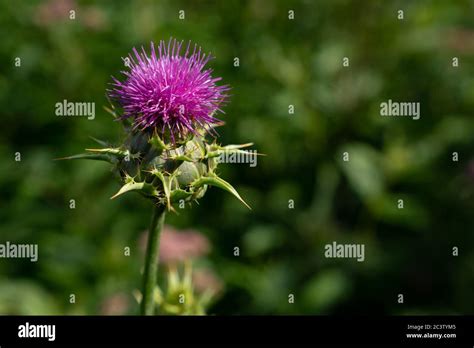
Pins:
x,y
282,62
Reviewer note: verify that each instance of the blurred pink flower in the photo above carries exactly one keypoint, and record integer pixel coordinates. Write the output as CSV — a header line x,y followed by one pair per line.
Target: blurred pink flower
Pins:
x,y
93,18
53,11
459,40
116,304
179,246
205,279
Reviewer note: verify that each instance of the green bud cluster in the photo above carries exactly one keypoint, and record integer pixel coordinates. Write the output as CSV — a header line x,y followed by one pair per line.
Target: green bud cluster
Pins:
x,y
167,173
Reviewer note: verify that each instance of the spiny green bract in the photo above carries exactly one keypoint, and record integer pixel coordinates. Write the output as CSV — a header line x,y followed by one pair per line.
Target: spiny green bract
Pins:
x,y
179,297
167,173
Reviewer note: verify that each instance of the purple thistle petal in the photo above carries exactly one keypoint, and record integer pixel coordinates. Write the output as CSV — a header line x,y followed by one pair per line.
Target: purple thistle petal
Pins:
x,y
169,91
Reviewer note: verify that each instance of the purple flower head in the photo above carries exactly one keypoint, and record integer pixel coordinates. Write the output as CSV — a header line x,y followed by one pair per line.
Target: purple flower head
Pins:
x,y
168,91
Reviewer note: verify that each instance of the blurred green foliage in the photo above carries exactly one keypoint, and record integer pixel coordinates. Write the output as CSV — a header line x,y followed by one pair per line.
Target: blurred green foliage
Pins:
x,y
282,62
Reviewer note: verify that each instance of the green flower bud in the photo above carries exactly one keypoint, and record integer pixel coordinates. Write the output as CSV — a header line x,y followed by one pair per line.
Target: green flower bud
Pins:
x,y
165,172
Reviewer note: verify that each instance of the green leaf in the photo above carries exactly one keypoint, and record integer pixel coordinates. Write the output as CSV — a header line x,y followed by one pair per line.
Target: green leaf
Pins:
x,y
235,147
181,158
214,180
136,186
166,181
91,156
111,151
363,170
157,143
219,152
179,194
215,150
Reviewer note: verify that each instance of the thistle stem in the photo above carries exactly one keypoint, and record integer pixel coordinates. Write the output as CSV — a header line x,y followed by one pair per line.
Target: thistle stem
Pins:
x,y
151,260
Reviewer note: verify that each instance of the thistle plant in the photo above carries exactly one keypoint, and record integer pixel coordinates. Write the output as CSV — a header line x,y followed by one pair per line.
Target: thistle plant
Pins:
x,y
167,105
179,297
